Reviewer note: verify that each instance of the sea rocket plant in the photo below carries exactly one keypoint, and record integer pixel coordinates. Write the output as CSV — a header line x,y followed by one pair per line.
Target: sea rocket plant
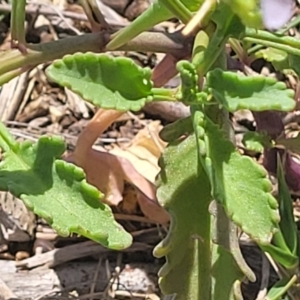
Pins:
x,y
210,190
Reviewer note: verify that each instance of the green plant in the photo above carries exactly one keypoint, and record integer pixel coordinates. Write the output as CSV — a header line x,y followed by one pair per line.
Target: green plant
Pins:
x,y
210,190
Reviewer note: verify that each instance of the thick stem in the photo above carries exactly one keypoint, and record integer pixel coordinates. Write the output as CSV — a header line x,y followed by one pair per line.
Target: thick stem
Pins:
x,y
238,49
204,245
18,23
209,53
11,75
219,115
94,42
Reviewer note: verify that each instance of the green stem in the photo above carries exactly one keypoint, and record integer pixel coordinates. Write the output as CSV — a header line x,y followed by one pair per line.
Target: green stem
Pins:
x,y
204,244
201,46
6,77
238,49
203,257
18,22
202,17
178,9
216,114
288,49
206,59
161,94
95,42
280,292
279,241
292,24
209,53
7,142
268,39
153,15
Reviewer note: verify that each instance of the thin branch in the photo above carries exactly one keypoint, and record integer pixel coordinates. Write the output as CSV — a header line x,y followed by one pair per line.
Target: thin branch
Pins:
x,y
91,9
95,42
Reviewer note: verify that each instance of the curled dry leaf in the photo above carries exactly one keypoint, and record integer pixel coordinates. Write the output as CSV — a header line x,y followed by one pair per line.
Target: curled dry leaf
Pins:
x,y
109,172
144,150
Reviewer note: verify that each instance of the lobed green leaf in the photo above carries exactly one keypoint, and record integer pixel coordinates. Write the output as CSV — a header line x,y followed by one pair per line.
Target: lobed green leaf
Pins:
x,y
238,183
107,82
257,93
183,190
225,273
177,129
189,82
227,249
278,58
57,191
256,141
282,61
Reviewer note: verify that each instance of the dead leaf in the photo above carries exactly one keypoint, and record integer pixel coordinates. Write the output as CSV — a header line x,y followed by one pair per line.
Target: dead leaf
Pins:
x,y
165,70
144,150
109,172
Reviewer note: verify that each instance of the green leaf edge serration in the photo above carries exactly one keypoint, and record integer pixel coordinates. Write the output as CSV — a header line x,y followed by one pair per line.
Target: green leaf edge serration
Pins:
x,y
208,134
111,234
240,84
125,86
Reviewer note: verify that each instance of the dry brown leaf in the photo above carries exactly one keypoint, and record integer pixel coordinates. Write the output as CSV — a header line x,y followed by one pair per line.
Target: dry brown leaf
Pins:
x,y
165,70
101,120
109,172
103,171
144,151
